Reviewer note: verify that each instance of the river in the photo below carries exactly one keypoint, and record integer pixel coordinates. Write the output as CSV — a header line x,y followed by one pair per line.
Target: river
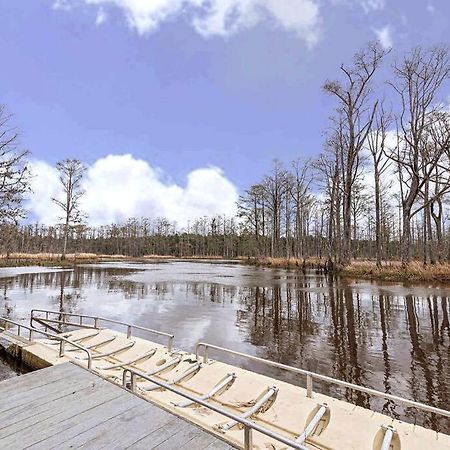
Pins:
x,y
394,337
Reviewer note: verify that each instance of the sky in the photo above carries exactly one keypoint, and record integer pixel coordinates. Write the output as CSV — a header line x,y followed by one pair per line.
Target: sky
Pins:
x,y
177,106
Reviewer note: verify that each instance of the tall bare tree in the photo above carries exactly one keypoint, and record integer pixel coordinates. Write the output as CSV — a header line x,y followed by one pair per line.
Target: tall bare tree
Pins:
x,y
71,172
14,173
377,145
357,109
14,179
419,78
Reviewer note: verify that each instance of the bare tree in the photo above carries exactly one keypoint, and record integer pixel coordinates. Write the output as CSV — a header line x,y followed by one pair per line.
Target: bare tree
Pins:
x,y
357,110
14,173
419,78
71,172
14,180
376,143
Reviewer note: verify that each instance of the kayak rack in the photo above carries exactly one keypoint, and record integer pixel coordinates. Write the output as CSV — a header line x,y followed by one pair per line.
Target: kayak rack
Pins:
x,y
129,382
47,318
31,331
311,376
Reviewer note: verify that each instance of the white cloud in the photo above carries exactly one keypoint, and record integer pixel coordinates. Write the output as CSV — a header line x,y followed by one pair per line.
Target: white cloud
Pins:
x,y
101,17
384,35
120,186
219,17
372,5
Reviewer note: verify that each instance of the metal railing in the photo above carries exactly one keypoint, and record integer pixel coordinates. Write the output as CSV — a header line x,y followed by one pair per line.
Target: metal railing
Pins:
x,y
96,323
248,425
62,340
311,376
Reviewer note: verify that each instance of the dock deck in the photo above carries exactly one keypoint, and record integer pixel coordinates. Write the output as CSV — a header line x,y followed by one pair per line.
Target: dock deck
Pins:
x,y
66,406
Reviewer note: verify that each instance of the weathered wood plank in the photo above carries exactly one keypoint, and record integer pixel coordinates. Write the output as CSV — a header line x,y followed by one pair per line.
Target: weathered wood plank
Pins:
x,y
179,439
38,399
48,424
84,421
160,435
68,407
46,376
122,430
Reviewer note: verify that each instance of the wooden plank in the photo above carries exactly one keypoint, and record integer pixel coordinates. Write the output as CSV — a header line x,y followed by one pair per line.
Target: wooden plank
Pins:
x,y
68,407
38,399
48,423
219,445
122,430
35,379
179,439
201,441
160,435
84,421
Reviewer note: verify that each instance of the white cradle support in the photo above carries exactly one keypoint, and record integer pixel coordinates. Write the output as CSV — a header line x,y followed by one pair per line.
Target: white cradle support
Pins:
x,y
219,387
268,395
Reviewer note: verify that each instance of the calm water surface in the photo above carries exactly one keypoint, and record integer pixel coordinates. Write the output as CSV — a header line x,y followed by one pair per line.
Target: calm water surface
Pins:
x,y
391,337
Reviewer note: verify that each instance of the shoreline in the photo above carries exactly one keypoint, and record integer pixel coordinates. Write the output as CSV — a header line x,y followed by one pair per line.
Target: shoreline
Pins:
x,y
362,269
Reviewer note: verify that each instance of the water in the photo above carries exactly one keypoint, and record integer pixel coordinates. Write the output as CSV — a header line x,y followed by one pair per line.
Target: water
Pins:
x,y
388,336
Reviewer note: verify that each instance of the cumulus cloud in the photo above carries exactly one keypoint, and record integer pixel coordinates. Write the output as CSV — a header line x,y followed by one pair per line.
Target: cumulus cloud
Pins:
x,y
120,186
384,35
218,17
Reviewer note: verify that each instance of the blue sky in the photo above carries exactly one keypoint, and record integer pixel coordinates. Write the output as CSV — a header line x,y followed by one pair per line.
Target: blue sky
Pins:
x,y
188,84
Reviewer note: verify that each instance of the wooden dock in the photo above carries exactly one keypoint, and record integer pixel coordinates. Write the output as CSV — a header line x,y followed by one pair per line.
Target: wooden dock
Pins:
x,y
66,406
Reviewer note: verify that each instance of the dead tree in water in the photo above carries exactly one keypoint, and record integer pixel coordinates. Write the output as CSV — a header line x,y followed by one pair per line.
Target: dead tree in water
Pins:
x,y
71,172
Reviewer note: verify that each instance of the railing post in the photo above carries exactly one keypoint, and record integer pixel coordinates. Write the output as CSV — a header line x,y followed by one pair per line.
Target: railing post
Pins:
x,y
205,355
89,364
309,386
129,332
61,348
133,382
96,322
170,344
18,330
248,438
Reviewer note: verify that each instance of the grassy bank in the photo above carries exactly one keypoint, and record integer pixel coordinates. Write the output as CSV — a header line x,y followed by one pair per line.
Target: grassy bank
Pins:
x,y
286,263
367,269
71,259
46,259
393,271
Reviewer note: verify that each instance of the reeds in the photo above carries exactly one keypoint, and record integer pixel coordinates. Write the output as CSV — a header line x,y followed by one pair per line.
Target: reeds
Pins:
x,y
393,270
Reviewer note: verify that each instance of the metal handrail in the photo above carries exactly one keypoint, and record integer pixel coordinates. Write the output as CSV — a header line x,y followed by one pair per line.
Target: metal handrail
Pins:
x,y
98,319
248,424
310,376
63,340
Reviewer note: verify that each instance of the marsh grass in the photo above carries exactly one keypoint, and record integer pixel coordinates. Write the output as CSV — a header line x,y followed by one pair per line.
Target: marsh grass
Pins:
x,y
393,270
285,263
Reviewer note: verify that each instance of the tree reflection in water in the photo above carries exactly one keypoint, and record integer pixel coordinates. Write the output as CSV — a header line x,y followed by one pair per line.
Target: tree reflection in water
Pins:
x,y
380,335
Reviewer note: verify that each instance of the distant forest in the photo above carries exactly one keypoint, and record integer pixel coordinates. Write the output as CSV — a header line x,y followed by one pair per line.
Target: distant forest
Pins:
x,y
378,189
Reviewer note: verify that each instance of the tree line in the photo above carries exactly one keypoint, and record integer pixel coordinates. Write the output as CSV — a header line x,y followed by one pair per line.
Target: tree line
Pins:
x,y
378,189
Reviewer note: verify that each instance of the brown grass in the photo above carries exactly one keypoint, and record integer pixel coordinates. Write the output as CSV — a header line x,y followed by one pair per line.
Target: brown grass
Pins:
x,y
48,256
393,270
285,263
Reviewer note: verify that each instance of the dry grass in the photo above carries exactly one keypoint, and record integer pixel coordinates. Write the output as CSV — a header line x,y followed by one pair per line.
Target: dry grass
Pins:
x,y
45,259
48,256
287,263
393,270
